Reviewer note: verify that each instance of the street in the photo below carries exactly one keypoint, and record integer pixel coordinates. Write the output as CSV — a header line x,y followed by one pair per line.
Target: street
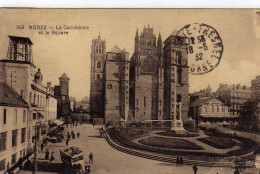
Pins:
x,y
107,160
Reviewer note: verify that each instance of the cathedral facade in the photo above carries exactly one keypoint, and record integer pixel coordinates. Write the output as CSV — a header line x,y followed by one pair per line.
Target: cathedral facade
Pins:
x,y
146,77
157,79
159,83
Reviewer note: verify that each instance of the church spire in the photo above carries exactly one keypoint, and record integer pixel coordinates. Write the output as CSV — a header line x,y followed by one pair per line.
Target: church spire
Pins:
x,y
159,41
136,41
136,36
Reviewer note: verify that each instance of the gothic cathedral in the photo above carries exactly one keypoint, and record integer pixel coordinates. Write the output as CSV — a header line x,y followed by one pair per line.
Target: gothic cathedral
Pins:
x,y
158,79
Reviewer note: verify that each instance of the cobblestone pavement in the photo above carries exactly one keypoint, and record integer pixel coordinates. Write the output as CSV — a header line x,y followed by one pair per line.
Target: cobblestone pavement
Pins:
x,y
107,160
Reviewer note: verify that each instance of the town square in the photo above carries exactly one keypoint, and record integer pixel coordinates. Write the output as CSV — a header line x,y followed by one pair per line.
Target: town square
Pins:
x,y
129,91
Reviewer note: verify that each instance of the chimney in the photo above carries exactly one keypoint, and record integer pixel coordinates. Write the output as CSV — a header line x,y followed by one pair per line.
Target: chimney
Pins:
x,y
49,85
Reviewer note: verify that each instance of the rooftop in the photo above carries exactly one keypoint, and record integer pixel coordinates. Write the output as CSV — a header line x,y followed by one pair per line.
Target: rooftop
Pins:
x,y
115,49
8,97
64,76
203,100
21,39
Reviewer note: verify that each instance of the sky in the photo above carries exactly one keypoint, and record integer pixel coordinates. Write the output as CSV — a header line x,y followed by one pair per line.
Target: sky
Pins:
x,y
239,30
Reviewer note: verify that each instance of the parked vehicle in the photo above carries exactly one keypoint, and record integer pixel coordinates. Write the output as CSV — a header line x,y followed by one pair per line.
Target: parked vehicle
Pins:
x,y
54,139
72,157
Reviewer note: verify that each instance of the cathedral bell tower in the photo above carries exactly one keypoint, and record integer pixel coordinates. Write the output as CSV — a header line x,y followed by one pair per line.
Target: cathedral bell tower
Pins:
x,y
176,90
98,55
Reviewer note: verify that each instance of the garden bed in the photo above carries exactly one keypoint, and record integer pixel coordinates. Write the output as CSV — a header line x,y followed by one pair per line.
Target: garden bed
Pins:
x,y
218,142
171,134
119,137
170,143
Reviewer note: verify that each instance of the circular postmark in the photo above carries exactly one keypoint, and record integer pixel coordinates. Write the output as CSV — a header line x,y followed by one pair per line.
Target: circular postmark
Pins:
x,y
204,49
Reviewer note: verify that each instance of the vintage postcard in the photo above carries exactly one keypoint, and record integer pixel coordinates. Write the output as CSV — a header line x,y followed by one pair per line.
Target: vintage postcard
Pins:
x,y
120,91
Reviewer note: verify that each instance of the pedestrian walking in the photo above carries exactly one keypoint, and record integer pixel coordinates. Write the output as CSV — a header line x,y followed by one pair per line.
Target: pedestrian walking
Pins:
x,y
91,158
236,171
78,134
181,161
52,156
47,153
177,160
195,168
67,142
73,136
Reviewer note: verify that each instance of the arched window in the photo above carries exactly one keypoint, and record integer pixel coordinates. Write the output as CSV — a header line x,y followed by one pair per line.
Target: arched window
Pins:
x,y
179,98
212,108
179,57
98,65
179,75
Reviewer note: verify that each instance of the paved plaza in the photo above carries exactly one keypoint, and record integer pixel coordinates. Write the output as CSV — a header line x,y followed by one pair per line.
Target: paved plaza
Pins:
x,y
107,160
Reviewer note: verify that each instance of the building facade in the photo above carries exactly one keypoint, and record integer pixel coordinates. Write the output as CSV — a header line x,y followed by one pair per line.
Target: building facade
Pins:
x,y
234,96
257,117
176,74
13,127
98,56
200,94
256,83
61,92
153,85
210,110
116,85
19,72
158,77
147,78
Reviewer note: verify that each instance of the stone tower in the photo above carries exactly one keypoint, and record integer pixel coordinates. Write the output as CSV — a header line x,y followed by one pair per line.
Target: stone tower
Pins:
x,y
146,77
176,84
64,103
98,55
64,83
116,85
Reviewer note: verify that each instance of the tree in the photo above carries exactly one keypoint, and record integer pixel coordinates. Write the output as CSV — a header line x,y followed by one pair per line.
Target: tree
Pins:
x,y
248,111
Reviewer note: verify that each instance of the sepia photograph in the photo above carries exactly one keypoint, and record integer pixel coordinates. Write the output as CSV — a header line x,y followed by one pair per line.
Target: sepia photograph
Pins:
x,y
122,91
